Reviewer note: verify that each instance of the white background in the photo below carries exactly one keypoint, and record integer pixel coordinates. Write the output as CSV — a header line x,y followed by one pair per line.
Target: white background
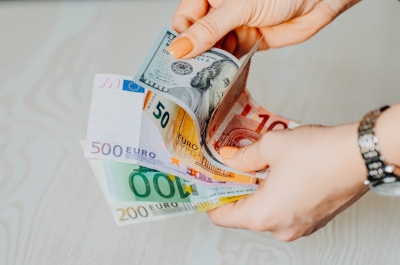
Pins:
x,y
51,208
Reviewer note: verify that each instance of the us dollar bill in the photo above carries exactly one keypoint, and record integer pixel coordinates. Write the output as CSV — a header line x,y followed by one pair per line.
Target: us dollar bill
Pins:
x,y
205,87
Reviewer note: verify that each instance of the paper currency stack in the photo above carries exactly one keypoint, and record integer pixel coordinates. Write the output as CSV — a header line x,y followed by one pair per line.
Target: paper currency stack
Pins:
x,y
153,140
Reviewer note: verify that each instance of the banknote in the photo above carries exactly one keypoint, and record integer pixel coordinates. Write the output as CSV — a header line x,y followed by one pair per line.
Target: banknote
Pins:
x,y
244,124
129,182
118,130
203,87
126,213
115,118
181,135
133,212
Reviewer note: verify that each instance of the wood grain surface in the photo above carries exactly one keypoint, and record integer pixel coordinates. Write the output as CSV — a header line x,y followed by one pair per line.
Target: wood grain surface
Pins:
x,y
51,208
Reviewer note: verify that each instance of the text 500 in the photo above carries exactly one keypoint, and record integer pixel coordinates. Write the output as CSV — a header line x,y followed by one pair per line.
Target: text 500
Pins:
x,y
117,150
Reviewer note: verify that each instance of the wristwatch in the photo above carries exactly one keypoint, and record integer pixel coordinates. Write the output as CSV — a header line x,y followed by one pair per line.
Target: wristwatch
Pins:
x,y
380,176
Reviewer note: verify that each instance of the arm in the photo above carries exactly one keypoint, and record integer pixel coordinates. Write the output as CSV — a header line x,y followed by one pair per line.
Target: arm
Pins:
x,y
316,172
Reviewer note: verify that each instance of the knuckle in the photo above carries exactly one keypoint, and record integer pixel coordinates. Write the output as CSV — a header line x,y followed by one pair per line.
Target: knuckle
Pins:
x,y
244,154
286,236
331,11
267,141
210,27
214,219
258,224
262,223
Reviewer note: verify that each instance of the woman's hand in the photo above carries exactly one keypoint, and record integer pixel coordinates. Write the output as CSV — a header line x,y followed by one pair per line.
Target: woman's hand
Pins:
x,y
236,25
315,173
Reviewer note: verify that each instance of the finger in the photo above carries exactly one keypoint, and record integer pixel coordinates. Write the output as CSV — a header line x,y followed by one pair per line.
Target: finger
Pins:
x,y
229,42
188,12
298,29
246,37
250,158
240,214
205,32
291,32
219,43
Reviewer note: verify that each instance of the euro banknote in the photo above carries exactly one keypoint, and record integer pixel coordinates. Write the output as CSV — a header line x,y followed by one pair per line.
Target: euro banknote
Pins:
x,y
118,130
129,182
244,124
133,212
125,213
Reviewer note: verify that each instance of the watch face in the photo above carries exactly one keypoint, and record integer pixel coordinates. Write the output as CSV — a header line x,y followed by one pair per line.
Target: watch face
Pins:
x,y
388,189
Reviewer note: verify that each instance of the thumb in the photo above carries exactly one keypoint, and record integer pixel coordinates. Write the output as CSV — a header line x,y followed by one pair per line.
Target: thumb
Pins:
x,y
250,158
207,31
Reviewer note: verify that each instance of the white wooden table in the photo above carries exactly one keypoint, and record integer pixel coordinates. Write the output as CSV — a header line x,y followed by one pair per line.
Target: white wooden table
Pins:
x,y
51,208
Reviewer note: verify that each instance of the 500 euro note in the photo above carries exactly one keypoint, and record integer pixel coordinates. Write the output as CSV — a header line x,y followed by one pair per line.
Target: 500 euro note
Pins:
x,y
193,98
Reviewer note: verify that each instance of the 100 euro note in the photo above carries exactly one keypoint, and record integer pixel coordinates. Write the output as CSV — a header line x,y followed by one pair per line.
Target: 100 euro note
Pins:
x,y
118,130
129,182
133,212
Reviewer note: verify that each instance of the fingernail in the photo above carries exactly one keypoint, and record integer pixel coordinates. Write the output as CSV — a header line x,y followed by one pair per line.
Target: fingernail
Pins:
x,y
180,47
228,151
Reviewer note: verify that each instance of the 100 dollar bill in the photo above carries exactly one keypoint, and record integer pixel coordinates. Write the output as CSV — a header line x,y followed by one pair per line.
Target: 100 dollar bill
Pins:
x,y
204,87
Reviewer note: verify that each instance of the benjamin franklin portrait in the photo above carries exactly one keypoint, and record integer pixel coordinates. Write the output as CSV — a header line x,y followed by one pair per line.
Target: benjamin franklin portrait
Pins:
x,y
207,89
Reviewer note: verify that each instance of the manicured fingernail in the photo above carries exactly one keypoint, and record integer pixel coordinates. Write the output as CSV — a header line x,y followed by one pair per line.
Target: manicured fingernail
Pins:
x,y
180,47
228,151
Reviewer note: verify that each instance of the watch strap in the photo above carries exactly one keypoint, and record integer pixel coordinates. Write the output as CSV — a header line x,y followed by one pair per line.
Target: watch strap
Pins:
x,y
378,171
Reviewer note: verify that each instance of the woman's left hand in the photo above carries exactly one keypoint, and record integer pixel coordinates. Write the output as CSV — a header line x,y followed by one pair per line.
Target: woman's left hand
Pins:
x,y
315,173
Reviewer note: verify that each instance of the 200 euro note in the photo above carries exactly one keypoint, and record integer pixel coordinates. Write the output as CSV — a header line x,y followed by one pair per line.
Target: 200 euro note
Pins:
x,y
132,212
118,130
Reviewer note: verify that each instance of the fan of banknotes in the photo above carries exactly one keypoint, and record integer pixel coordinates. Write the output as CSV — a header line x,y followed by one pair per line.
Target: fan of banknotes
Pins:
x,y
153,140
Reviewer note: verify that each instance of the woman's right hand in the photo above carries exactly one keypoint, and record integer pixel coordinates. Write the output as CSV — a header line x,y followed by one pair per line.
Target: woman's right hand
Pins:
x,y
236,25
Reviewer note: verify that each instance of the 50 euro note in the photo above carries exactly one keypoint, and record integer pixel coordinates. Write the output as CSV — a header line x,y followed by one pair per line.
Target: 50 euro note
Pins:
x,y
118,130
244,124
133,212
193,99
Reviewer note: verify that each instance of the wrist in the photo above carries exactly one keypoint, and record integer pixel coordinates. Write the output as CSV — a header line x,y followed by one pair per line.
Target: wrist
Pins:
x,y
359,168
387,130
